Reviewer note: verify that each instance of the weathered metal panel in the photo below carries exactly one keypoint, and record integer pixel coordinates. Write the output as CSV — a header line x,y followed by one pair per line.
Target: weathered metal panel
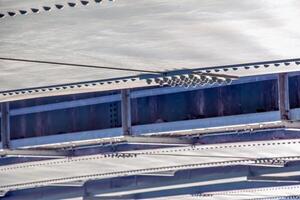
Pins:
x,y
220,101
244,98
69,120
294,88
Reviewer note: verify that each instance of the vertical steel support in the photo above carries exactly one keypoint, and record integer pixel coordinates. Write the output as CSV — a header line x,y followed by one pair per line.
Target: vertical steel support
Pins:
x,y
126,112
5,125
283,96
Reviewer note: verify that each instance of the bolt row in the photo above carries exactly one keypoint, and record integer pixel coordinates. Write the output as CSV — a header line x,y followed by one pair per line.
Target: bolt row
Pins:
x,y
47,8
188,80
270,161
65,87
120,155
253,66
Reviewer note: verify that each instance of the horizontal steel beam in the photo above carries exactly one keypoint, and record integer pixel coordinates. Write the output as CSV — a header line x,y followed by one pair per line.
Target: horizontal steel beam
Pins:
x,y
71,139
158,140
206,124
136,82
243,122
134,94
34,153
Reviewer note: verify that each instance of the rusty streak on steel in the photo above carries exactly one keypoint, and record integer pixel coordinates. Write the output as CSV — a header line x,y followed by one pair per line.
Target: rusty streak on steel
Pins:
x,y
5,125
283,96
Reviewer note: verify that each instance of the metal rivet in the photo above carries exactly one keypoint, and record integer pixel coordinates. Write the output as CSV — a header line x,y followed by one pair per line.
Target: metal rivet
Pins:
x,y
287,63
98,1
35,10
59,6
84,3
11,14
2,15
47,8
72,4
23,12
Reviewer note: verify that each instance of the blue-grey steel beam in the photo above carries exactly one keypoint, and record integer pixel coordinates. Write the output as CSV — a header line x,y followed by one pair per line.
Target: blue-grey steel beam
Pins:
x,y
5,126
283,96
66,105
126,112
242,122
134,94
